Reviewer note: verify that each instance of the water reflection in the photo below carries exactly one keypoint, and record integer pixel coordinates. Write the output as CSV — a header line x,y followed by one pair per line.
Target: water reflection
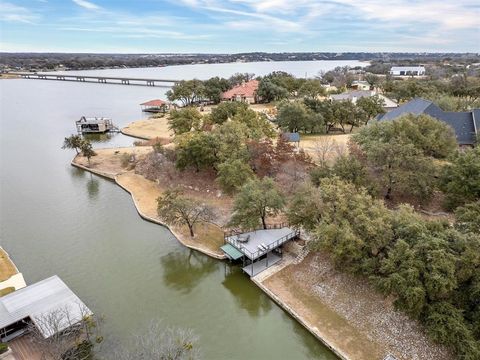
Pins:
x,y
99,138
185,269
93,186
247,296
77,172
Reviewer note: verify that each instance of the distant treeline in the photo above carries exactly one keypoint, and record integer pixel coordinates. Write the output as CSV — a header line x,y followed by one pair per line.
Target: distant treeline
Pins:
x,y
80,61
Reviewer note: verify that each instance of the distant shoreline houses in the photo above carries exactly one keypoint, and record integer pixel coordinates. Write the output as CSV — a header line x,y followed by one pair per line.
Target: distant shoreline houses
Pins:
x,y
407,71
466,124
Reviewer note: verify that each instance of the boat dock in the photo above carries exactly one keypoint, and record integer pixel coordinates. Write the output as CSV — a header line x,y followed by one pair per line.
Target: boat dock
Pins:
x,y
258,249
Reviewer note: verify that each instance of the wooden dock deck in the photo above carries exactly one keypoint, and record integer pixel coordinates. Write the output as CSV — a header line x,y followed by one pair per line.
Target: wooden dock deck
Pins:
x,y
24,348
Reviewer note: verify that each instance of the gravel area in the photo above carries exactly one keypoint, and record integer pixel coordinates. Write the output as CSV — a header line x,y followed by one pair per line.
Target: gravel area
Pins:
x,y
362,306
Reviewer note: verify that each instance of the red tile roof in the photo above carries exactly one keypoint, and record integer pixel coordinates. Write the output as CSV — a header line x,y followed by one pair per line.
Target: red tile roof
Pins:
x,y
247,89
156,102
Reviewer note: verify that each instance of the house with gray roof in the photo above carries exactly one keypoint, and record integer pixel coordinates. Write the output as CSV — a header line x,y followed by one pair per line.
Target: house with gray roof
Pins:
x,y
466,124
37,302
353,96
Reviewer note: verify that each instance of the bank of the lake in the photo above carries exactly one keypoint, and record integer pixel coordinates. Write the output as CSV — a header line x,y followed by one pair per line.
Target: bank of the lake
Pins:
x,y
58,219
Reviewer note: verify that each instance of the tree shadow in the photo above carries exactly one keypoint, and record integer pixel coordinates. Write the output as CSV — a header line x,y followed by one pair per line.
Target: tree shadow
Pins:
x,y
184,269
247,295
99,138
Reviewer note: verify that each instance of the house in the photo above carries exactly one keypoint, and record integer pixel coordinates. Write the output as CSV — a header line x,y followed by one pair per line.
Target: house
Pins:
x,y
407,71
245,92
360,85
466,124
353,96
33,303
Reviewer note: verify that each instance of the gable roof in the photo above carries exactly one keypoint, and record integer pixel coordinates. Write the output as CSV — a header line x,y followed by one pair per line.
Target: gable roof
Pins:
x,y
42,298
464,123
156,102
407,68
357,94
247,89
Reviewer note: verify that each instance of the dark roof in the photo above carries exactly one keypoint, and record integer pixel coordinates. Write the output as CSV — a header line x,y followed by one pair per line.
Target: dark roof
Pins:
x,y
465,124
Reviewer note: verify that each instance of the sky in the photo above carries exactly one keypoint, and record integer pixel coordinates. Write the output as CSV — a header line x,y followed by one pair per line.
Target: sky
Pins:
x,y
232,26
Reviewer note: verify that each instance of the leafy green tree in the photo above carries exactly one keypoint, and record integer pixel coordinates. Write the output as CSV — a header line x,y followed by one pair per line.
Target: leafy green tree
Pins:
x,y
346,113
258,125
293,116
257,200
372,80
350,169
73,142
460,180
269,91
184,120
231,138
468,217
239,78
187,91
176,209
226,110
197,150
371,105
87,149
312,88
346,221
233,174
214,87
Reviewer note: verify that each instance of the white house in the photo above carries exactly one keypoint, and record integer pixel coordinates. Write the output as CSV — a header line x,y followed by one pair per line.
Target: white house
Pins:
x,y
407,70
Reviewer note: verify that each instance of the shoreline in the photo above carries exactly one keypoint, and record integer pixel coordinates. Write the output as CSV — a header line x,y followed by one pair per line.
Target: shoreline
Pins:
x,y
256,280
143,215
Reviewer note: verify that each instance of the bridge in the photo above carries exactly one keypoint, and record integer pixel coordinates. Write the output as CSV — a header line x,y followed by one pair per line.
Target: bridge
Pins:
x,y
97,79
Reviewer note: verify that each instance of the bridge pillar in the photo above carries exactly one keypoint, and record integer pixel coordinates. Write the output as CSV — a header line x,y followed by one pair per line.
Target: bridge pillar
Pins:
x,y
126,82
150,83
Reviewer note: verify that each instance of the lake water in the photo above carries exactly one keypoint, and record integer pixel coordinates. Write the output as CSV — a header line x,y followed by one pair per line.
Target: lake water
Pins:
x,y
56,219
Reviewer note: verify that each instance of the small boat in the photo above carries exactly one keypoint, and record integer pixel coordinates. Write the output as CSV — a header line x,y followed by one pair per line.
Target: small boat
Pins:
x,y
89,125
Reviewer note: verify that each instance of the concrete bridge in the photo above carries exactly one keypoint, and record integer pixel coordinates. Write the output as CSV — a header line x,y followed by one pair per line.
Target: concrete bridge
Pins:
x,y
97,79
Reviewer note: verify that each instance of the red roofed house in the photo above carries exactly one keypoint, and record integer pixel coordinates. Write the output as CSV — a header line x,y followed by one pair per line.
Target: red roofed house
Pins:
x,y
246,92
155,106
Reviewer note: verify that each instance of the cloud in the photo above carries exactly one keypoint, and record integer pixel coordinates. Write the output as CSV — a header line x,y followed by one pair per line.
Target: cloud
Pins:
x,y
87,4
14,13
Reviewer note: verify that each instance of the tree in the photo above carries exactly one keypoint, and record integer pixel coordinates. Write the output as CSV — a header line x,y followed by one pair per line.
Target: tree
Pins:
x,y
214,87
262,156
226,110
258,124
467,217
345,113
176,209
160,342
73,142
87,149
268,91
257,200
184,120
232,174
187,91
371,105
292,116
372,80
197,149
78,339
312,88
460,180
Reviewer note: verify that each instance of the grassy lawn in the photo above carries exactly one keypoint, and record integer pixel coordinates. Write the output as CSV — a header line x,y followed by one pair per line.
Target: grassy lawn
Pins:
x,y
6,291
207,235
7,269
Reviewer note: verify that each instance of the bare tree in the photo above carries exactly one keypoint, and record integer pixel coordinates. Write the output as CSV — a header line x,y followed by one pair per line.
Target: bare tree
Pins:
x,y
67,334
324,147
159,342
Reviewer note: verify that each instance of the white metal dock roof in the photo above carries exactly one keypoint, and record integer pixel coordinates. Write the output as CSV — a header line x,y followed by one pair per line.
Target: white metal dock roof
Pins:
x,y
40,299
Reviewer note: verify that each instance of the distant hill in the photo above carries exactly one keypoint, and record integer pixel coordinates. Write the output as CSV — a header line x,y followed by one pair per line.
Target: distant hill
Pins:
x,y
81,61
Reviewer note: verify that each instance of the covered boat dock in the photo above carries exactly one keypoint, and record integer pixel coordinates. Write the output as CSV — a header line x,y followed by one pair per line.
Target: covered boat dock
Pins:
x,y
155,106
258,249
